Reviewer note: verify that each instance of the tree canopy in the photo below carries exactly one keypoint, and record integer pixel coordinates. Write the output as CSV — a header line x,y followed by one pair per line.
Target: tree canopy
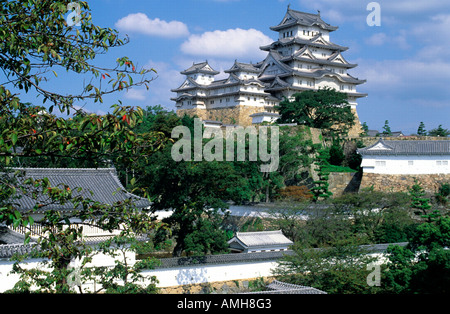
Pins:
x,y
36,43
323,109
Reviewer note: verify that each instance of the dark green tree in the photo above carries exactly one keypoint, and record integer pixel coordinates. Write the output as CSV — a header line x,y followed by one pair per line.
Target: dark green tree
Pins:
x,y
423,267
365,128
37,43
421,130
439,131
325,109
419,201
387,129
320,190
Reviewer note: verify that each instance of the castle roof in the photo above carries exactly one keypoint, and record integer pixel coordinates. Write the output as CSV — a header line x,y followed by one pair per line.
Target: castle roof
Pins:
x,y
239,66
407,147
293,18
202,67
316,41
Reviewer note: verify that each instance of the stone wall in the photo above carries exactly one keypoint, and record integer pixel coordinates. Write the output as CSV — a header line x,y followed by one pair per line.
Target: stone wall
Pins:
x,y
344,182
220,287
239,115
401,183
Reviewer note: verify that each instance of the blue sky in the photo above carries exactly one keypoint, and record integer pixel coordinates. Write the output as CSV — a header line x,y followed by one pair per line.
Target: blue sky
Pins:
x,y
406,60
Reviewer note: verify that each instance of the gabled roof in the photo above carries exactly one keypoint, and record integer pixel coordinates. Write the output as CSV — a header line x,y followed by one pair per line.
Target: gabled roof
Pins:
x,y
407,147
189,83
239,66
313,42
103,183
293,18
261,239
274,58
202,67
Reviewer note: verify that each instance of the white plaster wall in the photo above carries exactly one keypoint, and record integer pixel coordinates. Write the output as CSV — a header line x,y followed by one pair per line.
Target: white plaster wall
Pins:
x,y
172,276
212,273
399,165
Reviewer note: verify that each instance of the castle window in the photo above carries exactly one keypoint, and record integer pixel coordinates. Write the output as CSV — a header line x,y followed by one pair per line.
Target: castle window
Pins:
x,y
410,163
380,163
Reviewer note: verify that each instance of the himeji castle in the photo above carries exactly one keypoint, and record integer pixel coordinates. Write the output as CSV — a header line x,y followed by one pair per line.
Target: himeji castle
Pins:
x,y
303,58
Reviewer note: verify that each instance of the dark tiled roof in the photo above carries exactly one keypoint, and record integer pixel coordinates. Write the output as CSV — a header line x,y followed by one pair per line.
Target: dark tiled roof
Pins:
x,y
221,259
239,66
202,67
103,183
407,147
261,239
301,18
8,251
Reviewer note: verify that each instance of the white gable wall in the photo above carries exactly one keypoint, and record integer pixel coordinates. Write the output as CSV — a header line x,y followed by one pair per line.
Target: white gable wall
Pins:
x,y
406,164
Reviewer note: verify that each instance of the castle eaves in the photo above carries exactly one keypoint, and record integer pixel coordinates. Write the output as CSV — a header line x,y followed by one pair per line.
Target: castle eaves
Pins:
x,y
293,18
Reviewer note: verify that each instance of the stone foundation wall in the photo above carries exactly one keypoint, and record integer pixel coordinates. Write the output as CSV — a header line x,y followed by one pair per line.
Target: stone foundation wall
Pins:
x,y
221,287
239,115
401,183
356,130
343,182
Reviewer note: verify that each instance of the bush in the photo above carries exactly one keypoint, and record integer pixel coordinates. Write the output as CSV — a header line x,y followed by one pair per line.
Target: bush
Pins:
x,y
296,193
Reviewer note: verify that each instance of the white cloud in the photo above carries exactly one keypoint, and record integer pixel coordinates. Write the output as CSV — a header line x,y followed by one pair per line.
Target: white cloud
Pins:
x,y
380,39
377,39
141,23
135,94
232,43
160,89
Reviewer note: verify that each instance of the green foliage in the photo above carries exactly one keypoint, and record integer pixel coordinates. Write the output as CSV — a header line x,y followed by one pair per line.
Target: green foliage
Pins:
x,y
338,270
320,190
421,130
387,129
419,202
439,131
423,267
324,109
36,41
442,196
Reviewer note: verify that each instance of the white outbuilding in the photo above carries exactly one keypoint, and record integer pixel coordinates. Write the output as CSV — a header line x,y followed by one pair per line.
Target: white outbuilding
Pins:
x,y
264,241
407,157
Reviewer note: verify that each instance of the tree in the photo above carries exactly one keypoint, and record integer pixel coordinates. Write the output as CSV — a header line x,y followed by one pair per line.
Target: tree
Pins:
x,y
320,190
440,131
341,269
365,128
325,109
36,41
422,267
419,201
421,130
387,129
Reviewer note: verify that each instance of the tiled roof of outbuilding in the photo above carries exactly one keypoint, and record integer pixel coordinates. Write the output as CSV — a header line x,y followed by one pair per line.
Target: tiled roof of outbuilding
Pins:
x,y
261,239
407,147
98,185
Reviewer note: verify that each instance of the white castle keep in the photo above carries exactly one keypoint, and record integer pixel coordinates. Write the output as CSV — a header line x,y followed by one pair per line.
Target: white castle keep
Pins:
x,y
303,58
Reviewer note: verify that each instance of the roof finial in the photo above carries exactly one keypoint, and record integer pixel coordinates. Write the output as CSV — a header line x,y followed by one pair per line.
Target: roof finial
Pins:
x,y
289,6
318,11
